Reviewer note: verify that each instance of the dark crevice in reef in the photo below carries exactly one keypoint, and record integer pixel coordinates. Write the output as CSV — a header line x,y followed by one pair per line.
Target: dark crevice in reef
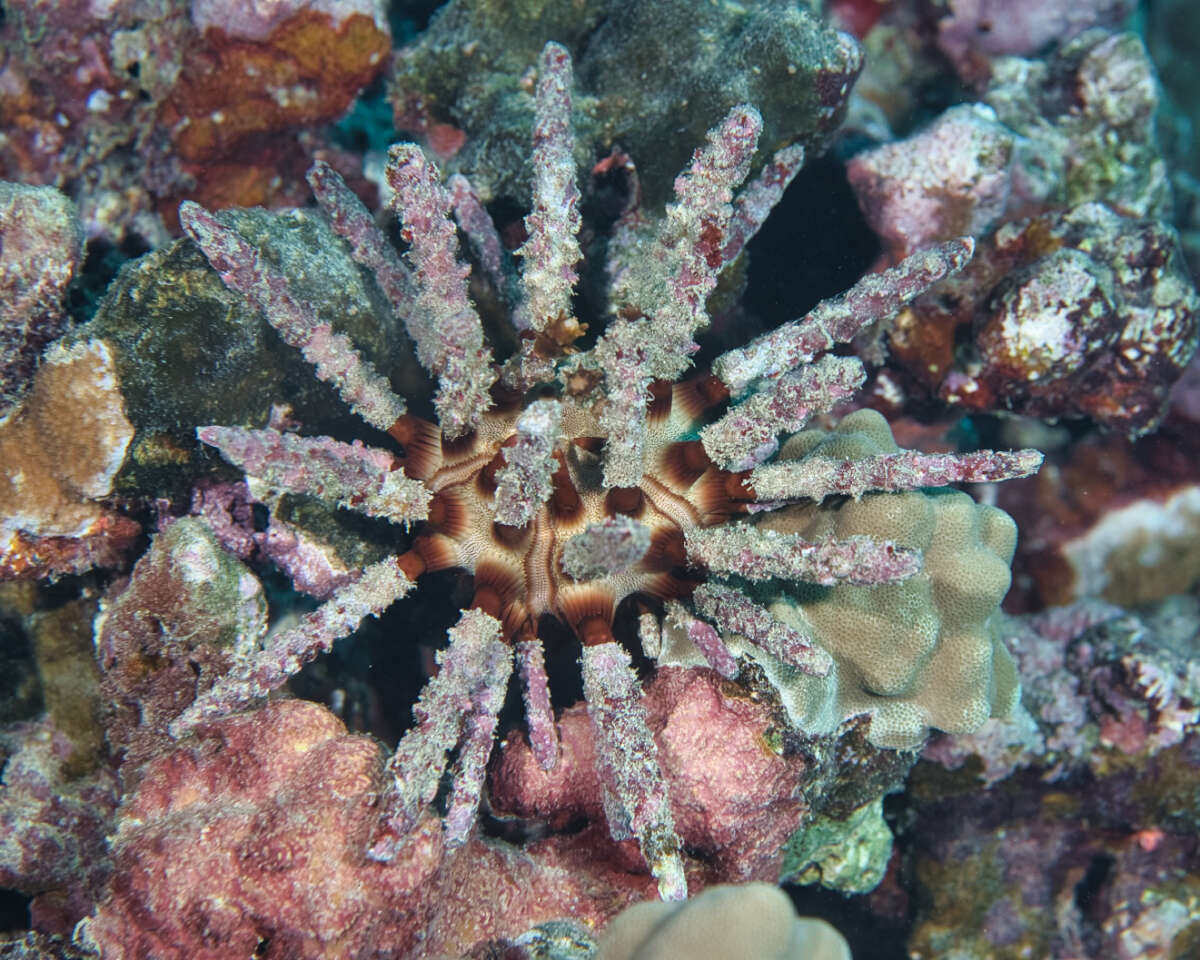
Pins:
x,y
14,910
101,262
870,937
814,245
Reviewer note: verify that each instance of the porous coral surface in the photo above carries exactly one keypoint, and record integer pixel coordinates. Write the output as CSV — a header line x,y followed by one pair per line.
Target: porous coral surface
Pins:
x,y
927,652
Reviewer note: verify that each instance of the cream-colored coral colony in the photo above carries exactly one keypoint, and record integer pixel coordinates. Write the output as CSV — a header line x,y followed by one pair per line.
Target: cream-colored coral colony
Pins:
x,y
565,480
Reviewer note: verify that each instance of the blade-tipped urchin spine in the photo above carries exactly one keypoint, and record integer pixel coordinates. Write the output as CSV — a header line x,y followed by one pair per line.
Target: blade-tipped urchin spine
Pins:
x,y
552,250
467,690
671,287
735,612
650,635
815,478
352,221
759,197
524,483
747,435
690,248
620,353
539,714
635,794
876,296
747,551
243,269
349,474
495,661
705,638
449,339
380,585
482,237
609,547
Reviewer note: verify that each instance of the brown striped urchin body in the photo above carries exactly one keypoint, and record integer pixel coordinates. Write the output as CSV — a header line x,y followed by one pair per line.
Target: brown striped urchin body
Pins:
x,y
518,571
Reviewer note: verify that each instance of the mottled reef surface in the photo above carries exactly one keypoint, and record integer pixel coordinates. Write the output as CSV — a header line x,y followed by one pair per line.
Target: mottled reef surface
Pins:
x,y
569,480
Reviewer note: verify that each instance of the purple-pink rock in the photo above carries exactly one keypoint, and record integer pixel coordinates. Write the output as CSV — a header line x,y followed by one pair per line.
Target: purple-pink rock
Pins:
x,y
53,825
1082,313
41,245
249,839
731,796
949,180
972,32
1088,849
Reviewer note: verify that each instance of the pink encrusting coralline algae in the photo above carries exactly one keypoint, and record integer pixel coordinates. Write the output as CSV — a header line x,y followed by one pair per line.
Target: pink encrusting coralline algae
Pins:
x,y
567,479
